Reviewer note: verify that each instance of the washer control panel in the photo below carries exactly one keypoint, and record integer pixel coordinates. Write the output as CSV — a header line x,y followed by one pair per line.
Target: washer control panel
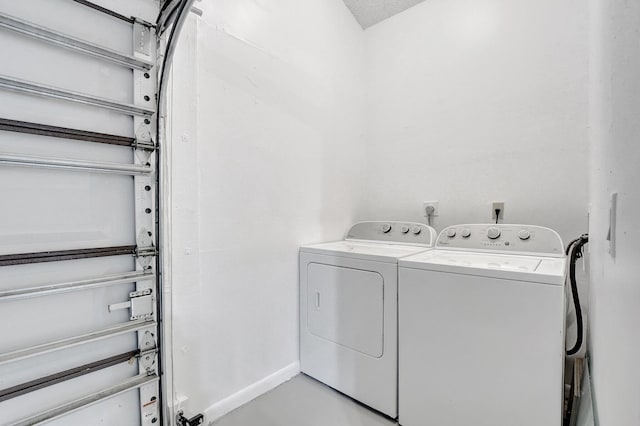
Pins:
x,y
393,232
516,239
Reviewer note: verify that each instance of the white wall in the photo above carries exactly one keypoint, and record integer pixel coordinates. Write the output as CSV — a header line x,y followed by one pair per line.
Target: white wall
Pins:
x,y
615,167
474,101
295,123
273,161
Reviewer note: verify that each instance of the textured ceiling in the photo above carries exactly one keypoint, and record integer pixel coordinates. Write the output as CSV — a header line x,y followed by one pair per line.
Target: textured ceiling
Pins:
x,y
370,12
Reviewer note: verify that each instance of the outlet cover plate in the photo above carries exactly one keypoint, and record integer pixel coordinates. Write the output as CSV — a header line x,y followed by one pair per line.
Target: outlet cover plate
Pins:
x,y
497,205
436,208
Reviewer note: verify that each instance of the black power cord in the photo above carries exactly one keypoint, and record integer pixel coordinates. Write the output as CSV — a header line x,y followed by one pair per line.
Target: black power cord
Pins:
x,y
574,251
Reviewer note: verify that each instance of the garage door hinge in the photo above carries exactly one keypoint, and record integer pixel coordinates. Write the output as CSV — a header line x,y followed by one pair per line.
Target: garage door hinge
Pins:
x,y
143,139
196,420
148,360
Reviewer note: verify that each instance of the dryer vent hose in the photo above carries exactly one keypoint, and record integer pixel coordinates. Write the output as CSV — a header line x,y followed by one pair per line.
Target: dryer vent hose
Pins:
x,y
574,251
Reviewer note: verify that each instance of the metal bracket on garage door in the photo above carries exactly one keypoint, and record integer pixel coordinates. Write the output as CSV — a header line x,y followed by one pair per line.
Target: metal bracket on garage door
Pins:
x,y
140,303
142,38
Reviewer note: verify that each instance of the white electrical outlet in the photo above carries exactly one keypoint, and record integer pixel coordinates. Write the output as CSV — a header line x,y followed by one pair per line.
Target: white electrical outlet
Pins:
x,y
428,205
495,206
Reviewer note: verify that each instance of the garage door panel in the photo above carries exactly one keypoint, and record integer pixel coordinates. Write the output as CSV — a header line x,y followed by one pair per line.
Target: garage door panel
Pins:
x,y
114,411
57,210
28,144
83,23
34,109
76,313
91,76
12,374
52,396
24,276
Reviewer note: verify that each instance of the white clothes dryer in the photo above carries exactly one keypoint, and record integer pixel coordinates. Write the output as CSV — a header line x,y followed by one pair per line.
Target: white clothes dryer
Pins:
x,y
481,328
349,309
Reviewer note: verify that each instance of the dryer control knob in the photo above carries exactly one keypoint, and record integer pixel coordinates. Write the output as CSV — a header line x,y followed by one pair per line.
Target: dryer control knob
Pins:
x,y
416,230
386,228
451,232
404,229
466,233
493,232
524,234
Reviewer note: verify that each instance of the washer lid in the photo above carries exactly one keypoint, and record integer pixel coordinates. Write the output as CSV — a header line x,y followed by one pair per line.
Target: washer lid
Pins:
x,y
547,270
364,250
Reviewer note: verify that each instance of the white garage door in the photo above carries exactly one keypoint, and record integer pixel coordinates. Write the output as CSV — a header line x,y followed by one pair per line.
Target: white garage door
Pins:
x,y
78,214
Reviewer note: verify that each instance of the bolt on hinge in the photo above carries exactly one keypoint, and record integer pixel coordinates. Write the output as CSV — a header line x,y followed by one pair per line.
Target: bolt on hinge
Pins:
x,y
145,255
143,138
145,251
144,145
147,360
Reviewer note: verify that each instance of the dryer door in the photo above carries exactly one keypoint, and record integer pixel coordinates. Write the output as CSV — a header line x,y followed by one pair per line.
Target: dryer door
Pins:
x,y
345,306
349,327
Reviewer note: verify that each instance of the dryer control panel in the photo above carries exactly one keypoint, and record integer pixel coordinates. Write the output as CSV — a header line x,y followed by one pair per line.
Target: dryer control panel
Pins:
x,y
393,233
515,239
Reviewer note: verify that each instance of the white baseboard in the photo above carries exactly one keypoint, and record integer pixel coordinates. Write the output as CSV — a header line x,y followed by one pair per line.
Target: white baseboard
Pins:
x,y
251,392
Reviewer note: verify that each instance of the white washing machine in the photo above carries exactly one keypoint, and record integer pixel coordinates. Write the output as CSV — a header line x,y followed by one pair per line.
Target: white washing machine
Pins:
x,y
481,328
349,309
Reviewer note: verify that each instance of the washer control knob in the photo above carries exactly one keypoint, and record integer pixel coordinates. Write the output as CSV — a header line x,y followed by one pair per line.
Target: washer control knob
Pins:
x,y
404,229
524,234
493,232
451,232
416,230
386,228
466,233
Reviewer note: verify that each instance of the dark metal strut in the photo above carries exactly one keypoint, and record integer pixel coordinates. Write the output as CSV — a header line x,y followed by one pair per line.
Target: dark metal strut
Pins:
x,y
63,376
63,132
60,255
105,11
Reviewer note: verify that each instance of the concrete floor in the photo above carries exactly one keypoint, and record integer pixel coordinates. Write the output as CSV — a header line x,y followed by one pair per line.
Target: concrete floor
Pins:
x,y
303,401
